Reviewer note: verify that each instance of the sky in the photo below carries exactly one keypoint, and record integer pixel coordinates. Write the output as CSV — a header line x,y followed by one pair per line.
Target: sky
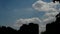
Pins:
x,y
14,13
11,10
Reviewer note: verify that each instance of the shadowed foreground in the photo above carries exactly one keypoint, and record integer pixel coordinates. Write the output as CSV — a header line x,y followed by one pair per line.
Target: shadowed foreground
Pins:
x,y
24,29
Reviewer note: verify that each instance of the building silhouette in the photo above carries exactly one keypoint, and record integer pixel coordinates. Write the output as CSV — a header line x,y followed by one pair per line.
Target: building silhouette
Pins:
x,y
24,29
7,30
29,29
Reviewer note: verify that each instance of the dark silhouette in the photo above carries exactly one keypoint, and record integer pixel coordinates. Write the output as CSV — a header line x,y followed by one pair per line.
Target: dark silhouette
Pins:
x,y
54,27
56,0
24,29
7,30
29,29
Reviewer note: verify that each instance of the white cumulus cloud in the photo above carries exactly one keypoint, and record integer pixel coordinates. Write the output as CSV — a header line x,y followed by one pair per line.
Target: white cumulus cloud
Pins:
x,y
27,21
50,9
49,16
44,6
42,23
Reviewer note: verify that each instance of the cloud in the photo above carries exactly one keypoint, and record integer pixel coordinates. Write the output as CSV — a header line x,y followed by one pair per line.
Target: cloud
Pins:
x,y
52,14
42,23
35,20
50,10
49,16
44,6
27,21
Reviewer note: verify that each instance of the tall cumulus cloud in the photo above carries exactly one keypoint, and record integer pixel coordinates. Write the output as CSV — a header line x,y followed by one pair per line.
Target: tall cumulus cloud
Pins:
x,y
50,10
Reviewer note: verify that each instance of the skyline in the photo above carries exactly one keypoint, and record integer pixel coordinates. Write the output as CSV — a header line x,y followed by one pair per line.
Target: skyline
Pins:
x,y
14,13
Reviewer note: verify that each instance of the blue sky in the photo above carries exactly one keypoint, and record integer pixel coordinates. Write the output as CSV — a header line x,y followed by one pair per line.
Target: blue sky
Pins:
x,y
12,10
